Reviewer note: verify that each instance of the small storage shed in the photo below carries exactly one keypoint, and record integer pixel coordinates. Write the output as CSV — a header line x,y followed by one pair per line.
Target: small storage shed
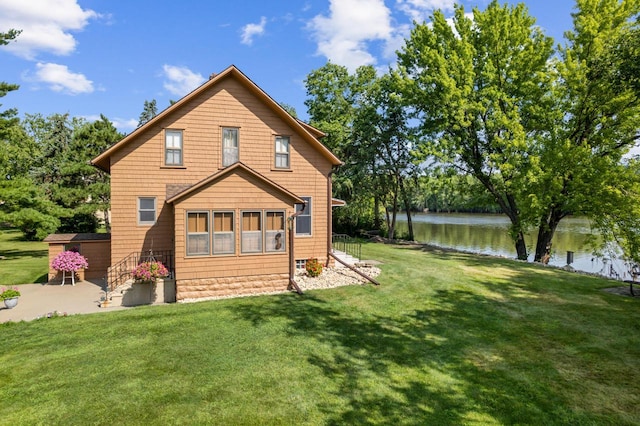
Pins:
x,y
96,248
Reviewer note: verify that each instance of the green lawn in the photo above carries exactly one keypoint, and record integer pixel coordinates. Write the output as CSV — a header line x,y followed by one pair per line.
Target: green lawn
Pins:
x,y
24,262
446,339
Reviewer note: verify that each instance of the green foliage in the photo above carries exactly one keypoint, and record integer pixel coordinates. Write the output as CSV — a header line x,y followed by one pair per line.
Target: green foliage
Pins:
x,y
447,339
9,293
149,111
25,206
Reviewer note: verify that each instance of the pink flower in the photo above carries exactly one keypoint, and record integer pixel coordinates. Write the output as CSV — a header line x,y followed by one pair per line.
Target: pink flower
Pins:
x,y
149,271
69,261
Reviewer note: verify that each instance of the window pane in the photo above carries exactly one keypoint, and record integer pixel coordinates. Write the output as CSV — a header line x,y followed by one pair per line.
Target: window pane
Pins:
x,y
274,240
147,203
173,139
303,222
275,221
282,161
251,242
229,146
198,244
223,242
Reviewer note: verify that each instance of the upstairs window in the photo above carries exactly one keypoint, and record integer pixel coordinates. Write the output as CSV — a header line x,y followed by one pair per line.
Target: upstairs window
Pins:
x,y
303,221
251,232
197,233
274,235
173,148
282,152
224,236
146,210
230,147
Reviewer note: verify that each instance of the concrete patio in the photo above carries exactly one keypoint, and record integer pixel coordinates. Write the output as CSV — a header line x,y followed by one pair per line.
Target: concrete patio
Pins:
x,y
39,300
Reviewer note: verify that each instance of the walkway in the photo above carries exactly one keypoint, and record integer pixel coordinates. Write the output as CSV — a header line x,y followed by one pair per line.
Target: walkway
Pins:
x,y
39,300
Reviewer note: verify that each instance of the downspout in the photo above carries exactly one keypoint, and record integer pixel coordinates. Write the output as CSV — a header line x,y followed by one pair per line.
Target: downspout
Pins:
x,y
292,261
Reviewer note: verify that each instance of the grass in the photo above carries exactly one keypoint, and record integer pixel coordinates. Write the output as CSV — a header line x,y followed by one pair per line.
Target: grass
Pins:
x,y
447,338
24,262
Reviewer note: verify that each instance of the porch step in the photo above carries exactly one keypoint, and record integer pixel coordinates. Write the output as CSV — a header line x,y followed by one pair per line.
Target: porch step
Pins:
x,y
345,258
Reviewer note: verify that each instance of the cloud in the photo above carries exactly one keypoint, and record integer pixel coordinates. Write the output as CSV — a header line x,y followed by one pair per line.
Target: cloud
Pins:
x,y
250,31
180,80
45,25
343,36
125,125
60,79
419,10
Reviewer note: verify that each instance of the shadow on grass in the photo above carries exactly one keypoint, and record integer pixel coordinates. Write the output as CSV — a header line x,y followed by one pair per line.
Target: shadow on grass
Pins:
x,y
436,365
19,254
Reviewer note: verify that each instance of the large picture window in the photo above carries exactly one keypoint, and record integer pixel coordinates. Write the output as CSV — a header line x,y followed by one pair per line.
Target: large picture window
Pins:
x,y
251,241
274,235
146,210
303,221
197,233
282,152
230,146
173,148
224,236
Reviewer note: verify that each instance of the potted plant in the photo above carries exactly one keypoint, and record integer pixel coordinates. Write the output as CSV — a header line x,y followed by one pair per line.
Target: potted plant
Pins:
x,y
150,271
69,262
10,296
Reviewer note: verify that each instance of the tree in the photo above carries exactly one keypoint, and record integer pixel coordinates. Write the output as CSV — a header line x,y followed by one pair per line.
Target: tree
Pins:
x,y
149,111
479,91
594,122
290,109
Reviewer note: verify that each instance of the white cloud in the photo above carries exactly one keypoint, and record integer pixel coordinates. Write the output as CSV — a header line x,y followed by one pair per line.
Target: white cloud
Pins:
x,y
419,10
342,37
250,31
45,25
60,79
180,80
125,125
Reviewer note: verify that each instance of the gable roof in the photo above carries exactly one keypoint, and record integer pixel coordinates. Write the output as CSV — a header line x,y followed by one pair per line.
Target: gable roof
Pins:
x,y
222,173
308,133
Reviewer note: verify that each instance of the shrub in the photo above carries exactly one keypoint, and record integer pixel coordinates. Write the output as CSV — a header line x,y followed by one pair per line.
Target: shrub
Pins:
x,y
313,267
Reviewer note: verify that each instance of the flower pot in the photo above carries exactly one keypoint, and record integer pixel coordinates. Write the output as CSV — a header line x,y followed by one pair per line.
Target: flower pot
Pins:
x,y
11,302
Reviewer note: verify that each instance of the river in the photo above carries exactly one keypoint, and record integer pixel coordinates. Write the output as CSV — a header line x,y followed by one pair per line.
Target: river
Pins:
x,y
488,234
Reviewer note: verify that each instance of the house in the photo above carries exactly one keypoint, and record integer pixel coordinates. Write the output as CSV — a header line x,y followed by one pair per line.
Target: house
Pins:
x,y
235,189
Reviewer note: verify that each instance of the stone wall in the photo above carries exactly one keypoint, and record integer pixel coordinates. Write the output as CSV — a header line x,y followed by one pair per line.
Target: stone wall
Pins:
x,y
233,286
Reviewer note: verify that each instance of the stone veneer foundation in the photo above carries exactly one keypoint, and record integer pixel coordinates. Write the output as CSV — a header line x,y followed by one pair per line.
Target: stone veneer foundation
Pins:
x,y
217,287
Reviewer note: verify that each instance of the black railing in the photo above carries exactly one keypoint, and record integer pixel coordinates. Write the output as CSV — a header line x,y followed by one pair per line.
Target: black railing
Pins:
x,y
122,271
347,244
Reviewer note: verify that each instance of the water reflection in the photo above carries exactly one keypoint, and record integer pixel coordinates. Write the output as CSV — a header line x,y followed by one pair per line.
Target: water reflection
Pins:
x,y
482,233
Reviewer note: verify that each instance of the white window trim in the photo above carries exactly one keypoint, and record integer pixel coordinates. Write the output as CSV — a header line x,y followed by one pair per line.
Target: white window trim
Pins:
x,y
308,209
139,209
237,129
276,152
187,233
181,149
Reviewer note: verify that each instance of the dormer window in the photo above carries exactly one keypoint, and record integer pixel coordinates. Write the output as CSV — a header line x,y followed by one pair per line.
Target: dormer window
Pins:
x,y
173,148
230,146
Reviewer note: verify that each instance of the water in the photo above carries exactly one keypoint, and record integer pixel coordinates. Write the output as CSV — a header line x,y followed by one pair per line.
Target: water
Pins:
x,y
488,234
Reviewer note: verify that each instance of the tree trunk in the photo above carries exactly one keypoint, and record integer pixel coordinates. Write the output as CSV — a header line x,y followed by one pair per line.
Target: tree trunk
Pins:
x,y
407,208
521,247
547,229
376,212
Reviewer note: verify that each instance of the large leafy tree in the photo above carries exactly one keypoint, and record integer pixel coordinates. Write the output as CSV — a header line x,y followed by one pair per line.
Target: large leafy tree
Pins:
x,y
594,122
479,90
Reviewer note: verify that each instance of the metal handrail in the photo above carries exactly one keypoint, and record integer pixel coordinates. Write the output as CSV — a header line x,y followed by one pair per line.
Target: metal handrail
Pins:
x,y
347,244
122,271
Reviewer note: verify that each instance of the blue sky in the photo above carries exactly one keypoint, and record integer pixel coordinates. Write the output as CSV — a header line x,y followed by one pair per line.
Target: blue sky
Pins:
x,y
92,57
